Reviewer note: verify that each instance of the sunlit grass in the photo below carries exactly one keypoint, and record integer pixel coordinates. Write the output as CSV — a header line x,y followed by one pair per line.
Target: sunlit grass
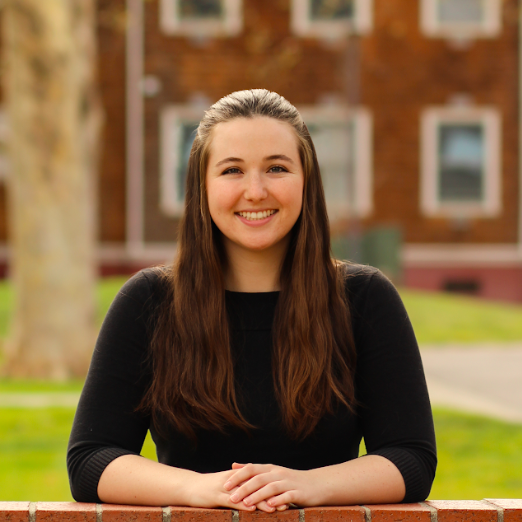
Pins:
x,y
478,457
446,318
33,449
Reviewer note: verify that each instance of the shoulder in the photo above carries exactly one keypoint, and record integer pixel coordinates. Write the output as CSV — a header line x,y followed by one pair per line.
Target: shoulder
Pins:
x,y
148,287
367,288
362,278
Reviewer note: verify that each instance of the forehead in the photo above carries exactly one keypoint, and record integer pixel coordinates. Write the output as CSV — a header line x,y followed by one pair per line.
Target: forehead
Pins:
x,y
258,134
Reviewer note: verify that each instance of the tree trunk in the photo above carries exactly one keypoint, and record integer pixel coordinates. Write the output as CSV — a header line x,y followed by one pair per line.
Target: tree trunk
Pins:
x,y
54,117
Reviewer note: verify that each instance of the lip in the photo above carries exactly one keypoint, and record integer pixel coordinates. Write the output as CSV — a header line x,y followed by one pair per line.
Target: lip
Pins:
x,y
256,222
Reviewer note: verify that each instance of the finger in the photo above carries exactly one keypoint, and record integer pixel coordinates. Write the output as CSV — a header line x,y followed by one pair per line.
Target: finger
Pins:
x,y
241,507
237,465
273,489
237,505
255,485
245,474
263,506
284,500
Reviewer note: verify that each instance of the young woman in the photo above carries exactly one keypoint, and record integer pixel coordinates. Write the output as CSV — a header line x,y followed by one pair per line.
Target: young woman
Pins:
x,y
257,362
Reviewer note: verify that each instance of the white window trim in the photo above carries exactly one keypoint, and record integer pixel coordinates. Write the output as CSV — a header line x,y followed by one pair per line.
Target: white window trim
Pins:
x,y
431,119
171,119
302,25
231,25
489,28
362,200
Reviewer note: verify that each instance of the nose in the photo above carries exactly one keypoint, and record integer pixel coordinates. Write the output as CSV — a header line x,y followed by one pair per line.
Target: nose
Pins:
x,y
255,187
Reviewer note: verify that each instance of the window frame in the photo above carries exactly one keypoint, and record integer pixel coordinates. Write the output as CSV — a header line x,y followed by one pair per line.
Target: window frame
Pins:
x,y
172,117
361,205
231,24
302,25
431,120
490,27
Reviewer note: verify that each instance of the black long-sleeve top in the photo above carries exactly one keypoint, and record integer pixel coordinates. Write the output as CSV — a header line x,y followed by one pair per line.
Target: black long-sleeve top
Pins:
x,y
393,413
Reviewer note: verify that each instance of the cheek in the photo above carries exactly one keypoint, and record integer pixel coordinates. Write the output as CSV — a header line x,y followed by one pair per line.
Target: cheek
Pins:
x,y
293,196
219,197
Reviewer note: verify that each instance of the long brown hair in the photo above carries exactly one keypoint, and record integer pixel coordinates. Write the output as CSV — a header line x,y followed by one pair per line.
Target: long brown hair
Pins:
x,y
313,350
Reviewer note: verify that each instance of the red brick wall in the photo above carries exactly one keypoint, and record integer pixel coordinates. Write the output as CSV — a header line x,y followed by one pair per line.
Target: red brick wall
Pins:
x,y
403,72
111,71
491,510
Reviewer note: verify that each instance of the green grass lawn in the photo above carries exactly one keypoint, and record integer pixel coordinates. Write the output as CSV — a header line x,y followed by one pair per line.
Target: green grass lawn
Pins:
x,y
436,317
447,318
478,457
32,452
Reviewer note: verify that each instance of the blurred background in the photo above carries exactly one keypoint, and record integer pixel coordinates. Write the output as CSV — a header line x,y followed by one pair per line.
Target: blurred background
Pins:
x,y
414,107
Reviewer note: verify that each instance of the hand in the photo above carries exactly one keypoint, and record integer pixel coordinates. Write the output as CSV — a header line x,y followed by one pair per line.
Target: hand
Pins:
x,y
252,484
206,490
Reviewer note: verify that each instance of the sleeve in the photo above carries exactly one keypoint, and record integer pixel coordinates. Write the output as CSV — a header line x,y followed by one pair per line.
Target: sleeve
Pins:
x,y
106,424
391,388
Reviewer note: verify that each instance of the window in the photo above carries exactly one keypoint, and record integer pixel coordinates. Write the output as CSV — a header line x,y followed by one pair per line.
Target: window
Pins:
x,y
460,162
178,129
460,11
201,18
461,18
461,157
331,18
331,10
342,140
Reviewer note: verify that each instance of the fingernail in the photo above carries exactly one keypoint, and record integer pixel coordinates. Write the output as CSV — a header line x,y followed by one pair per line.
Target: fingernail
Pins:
x,y
227,485
234,498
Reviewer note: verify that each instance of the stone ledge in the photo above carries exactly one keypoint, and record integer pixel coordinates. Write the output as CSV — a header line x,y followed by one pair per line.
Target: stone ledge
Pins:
x,y
487,510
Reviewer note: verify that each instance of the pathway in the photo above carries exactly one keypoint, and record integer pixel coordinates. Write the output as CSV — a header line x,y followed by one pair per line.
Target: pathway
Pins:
x,y
484,379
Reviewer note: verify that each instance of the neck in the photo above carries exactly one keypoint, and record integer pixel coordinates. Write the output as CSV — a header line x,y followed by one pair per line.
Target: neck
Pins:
x,y
254,271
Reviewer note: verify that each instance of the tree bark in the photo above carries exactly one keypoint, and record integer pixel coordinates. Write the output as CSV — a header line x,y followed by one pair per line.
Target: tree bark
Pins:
x,y
54,116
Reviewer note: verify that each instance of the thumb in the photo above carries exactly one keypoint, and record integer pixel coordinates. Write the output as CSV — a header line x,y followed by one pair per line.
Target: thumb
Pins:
x,y
236,465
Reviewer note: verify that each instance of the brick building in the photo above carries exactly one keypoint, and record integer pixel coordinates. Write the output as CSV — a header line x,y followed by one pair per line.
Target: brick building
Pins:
x,y
413,106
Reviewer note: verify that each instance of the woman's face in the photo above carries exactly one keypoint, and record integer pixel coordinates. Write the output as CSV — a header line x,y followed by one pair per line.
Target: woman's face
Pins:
x,y
254,182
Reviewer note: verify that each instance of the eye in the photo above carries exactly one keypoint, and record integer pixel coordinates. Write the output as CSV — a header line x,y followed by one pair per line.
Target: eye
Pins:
x,y
232,170
277,168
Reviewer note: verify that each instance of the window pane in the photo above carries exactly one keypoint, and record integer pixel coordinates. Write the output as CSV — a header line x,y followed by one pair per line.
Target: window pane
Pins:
x,y
333,143
187,133
463,11
200,8
461,163
331,9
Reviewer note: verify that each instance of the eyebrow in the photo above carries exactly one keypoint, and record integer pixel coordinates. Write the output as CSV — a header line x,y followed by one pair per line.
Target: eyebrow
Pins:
x,y
268,158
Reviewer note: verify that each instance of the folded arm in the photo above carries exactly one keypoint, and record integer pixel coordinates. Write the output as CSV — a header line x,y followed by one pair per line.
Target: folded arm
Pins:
x,y
367,480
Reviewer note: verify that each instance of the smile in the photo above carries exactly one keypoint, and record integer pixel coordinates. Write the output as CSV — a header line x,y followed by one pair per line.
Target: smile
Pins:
x,y
254,216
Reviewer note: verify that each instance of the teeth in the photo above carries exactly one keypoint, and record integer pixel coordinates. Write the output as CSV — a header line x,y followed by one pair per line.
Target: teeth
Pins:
x,y
253,216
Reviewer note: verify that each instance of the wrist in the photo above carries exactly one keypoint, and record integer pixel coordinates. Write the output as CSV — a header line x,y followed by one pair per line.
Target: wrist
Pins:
x,y
185,488
320,487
